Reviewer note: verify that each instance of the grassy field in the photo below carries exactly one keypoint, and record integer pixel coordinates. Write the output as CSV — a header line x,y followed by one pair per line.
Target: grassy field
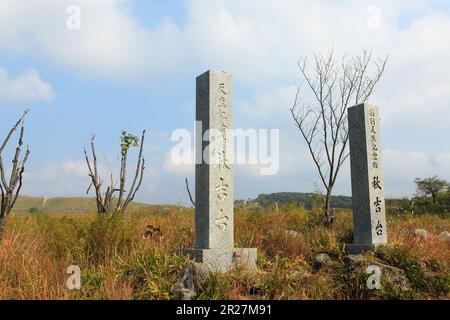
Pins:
x,y
117,262
26,205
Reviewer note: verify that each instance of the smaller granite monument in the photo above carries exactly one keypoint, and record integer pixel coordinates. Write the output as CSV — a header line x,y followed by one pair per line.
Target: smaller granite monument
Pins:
x,y
369,210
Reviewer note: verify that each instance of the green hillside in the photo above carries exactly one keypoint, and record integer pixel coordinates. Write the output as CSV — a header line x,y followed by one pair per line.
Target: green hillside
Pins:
x,y
298,198
27,204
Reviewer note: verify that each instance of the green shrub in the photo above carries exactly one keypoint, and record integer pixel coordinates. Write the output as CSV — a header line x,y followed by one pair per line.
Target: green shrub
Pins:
x,y
436,281
33,210
63,236
92,281
216,287
151,272
401,258
110,236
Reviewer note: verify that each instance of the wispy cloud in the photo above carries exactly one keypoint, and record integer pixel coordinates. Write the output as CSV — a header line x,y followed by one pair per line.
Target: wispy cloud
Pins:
x,y
27,86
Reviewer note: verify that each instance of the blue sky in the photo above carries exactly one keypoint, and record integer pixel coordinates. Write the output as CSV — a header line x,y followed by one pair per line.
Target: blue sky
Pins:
x,y
133,64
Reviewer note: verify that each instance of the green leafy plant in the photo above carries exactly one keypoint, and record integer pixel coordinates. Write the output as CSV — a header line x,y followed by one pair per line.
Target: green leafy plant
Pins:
x,y
128,140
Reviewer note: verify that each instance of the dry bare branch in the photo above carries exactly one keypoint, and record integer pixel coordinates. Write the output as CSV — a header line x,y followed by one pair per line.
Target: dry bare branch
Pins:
x,y
10,189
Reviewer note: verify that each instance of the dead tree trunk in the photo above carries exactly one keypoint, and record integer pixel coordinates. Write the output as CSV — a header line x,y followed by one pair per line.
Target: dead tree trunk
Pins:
x,y
10,188
329,210
2,227
104,200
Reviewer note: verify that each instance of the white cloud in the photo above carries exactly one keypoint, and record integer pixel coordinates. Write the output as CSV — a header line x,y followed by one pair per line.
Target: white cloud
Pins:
x,y
110,41
70,177
257,41
405,164
27,86
402,167
179,164
75,167
54,180
443,163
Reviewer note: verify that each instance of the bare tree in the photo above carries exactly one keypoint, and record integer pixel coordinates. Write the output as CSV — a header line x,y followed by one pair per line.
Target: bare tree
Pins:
x,y
334,85
10,187
106,203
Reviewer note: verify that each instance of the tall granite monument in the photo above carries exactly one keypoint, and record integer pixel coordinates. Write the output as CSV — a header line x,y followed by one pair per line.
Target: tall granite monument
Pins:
x,y
214,198
369,210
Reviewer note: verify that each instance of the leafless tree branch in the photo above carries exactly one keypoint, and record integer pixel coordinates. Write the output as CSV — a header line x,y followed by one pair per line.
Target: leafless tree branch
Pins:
x,y
322,121
10,190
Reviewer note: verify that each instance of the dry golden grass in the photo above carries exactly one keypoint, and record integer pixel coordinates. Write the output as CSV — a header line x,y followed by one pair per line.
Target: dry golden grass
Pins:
x,y
117,262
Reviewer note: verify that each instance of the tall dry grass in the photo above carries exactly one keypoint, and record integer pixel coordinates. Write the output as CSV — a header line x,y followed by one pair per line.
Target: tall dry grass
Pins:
x,y
117,262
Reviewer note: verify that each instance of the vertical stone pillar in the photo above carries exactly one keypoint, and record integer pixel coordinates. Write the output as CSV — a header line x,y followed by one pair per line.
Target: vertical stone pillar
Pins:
x,y
214,175
214,191
369,210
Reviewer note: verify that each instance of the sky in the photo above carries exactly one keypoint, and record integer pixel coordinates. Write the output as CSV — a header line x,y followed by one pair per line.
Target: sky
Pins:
x,y
132,65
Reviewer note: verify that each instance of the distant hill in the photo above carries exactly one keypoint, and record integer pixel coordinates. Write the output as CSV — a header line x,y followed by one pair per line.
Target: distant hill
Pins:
x,y
299,198
27,204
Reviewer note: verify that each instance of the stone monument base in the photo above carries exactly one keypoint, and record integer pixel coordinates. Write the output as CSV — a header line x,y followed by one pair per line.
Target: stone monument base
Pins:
x,y
354,248
222,260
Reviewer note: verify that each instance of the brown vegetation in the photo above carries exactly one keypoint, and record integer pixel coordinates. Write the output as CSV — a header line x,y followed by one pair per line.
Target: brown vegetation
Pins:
x,y
119,259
